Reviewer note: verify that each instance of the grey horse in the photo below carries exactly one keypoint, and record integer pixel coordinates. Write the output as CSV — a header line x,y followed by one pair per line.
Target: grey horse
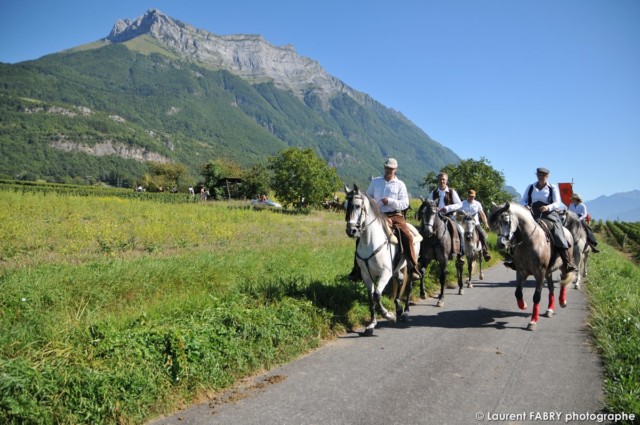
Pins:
x,y
533,254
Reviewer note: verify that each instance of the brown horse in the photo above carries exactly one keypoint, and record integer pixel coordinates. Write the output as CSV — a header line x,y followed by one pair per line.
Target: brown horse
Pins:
x,y
533,254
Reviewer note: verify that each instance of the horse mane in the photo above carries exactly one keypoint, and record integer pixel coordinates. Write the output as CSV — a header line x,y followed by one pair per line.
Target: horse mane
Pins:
x,y
374,207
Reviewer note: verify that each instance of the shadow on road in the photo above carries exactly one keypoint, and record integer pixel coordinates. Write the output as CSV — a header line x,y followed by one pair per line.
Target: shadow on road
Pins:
x,y
459,319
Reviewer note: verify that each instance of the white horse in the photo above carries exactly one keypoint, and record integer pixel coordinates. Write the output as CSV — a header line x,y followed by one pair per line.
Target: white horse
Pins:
x,y
376,255
472,247
533,254
581,248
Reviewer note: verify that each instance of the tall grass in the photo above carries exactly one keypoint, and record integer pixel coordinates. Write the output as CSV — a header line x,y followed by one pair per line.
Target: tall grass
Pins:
x,y
614,296
114,310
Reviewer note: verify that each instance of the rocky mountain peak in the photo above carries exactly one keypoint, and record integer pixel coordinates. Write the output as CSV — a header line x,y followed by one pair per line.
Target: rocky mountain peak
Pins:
x,y
249,56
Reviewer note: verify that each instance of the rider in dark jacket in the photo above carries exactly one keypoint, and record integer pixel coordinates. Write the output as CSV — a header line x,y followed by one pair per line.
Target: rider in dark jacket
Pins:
x,y
543,199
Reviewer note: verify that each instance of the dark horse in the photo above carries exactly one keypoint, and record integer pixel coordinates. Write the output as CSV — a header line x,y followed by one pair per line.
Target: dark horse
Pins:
x,y
533,254
436,245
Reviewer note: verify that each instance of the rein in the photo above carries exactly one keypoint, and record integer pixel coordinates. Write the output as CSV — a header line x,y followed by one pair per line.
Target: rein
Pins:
x,y
514,246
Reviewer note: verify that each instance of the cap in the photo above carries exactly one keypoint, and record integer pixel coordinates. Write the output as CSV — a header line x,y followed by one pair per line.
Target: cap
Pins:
x,y
542,170
576,197
471,192
391,163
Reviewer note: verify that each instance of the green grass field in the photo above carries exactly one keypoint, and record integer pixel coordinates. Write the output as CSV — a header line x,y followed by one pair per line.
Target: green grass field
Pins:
x,y
116,310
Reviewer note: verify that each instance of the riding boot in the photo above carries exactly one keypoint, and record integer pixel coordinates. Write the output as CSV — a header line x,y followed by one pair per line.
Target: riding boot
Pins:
x,y
485,252
508,262
593,248
355,275
566,261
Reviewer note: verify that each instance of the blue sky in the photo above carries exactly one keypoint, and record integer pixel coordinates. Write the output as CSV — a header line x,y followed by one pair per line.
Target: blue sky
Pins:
x,y
523,83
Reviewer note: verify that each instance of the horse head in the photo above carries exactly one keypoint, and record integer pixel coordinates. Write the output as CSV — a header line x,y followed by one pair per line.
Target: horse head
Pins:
x,y
468,225
355,211
427,215
503,221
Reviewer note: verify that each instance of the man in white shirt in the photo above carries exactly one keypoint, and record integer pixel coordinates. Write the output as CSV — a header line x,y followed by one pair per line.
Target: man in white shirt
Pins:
x,y
448,203
581,211
543,198
390,193
474,208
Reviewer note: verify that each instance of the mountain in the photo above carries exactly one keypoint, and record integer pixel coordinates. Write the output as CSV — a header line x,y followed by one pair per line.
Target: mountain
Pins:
x,y
624,206
157,88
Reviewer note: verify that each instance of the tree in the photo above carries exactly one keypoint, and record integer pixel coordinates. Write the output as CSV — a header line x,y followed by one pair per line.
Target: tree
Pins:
x,y
166,175
300,176
470,174
256,181
213,179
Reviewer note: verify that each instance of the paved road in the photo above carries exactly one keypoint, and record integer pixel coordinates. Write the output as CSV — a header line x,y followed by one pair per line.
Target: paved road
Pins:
x,y
470,362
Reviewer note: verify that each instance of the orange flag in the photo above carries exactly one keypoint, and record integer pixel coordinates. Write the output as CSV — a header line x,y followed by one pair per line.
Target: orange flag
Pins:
x,y
566,191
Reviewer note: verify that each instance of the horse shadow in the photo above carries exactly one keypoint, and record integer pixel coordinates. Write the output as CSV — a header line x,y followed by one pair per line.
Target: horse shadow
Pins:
x,y
480,317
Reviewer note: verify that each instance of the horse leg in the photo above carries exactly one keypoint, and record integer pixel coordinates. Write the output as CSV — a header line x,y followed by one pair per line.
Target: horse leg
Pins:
x,y
552,297
423,268
563,296
372,310
481,277
443,276
397,296
460,273
535,316
383,279
470,270
405,315
522,305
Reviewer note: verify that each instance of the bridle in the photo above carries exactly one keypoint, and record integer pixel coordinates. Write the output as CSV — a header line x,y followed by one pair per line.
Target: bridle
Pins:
x,y
360,224
428,226
506,220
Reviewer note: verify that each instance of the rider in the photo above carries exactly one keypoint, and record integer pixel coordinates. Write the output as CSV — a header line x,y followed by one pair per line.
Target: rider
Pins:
x,y
390,193
474,208
581,210
448,203
543,199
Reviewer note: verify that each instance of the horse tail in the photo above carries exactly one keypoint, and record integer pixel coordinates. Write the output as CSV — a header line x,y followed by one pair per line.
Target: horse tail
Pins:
x,y
567,278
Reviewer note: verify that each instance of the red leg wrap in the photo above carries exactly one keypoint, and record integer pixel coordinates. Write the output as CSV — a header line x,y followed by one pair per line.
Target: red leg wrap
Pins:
x,y
521,305
536,313
563,296
552,302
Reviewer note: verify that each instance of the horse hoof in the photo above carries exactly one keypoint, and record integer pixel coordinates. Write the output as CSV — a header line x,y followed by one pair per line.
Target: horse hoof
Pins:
x,y
563,304
549,313
469,285
368,332
440,303
576,286
532,326
461,291
405,317
481,276
391,317
423,296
